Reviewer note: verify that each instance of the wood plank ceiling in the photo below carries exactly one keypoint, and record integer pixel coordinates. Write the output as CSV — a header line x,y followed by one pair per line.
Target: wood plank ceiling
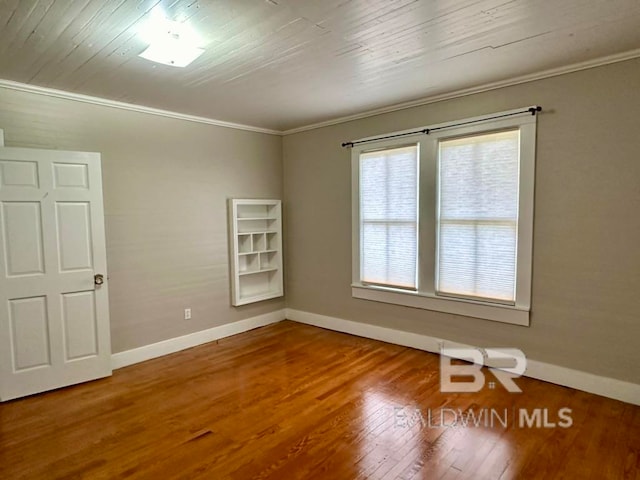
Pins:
x,y
281,64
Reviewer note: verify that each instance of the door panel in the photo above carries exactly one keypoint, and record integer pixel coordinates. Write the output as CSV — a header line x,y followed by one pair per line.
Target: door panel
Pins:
x,y
79,321
70,175
30,332
54,322
74,236
18,174
22,230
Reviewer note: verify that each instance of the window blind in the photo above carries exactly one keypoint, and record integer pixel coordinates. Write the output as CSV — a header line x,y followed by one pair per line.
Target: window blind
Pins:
x,y
478,216
389,217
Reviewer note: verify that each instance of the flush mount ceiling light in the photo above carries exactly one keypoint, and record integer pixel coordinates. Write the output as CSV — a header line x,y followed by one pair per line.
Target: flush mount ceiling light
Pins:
x,y
172,52
170,43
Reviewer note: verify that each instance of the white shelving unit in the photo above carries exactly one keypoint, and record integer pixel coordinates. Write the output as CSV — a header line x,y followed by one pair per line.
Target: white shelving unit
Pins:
x,y
255,230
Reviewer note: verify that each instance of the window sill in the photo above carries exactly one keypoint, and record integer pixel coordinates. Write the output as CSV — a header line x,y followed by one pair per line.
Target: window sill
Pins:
x,y
468,308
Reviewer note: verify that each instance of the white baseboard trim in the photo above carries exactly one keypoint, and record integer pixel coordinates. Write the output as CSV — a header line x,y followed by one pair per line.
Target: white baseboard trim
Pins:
x,y
141,354
579,380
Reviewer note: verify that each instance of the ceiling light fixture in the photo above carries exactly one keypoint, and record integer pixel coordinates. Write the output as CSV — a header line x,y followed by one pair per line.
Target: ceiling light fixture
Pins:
x,y
170,43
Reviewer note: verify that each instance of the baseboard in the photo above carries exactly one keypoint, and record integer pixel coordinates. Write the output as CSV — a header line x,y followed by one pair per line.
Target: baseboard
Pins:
x,y
137,355
587,382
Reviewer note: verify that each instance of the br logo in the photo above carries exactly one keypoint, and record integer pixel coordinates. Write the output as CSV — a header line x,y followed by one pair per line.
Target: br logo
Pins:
x,y
504,363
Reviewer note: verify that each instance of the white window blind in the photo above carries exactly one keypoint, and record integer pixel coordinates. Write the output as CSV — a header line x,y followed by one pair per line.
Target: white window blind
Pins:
x,y
389,216
478,216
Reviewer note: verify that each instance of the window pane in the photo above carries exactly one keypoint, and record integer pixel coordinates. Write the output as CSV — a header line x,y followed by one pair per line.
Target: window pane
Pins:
x,y
478,260
389,254
478,215
388,216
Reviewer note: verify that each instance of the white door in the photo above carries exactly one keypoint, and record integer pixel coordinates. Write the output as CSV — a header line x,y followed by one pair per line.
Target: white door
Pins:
x,y
54,317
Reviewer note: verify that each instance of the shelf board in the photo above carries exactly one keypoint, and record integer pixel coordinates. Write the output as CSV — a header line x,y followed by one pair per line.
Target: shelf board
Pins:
x,y
257,252
256,232
256,218
259,297
253,272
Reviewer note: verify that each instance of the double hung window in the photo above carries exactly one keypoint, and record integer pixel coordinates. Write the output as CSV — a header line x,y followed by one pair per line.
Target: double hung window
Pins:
x,y
444,220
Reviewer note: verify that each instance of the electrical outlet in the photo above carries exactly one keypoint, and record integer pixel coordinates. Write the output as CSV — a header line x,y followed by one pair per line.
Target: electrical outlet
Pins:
x,y
187,314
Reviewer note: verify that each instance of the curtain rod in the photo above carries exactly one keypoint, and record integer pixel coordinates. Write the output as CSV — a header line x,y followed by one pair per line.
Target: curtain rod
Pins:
x,y
532,110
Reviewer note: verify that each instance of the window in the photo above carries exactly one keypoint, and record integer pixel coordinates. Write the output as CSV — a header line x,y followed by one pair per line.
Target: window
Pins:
x,y
478,216
389,216
443,221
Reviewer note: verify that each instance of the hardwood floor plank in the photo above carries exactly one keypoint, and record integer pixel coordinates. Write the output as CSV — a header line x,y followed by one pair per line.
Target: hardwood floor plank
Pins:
x,y
291,401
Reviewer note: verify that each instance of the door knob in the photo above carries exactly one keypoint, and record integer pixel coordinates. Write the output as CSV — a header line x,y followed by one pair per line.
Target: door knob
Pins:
x,y
98,279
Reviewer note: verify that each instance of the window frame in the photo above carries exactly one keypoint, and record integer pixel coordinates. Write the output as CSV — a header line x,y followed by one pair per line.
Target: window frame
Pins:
x,y
425,297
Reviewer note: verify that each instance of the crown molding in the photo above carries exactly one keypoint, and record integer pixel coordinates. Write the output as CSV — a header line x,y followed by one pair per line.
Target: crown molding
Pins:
x,y
576,67
50,92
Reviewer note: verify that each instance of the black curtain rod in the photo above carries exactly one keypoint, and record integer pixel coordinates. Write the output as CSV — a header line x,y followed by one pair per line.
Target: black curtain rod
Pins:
x,y
427,131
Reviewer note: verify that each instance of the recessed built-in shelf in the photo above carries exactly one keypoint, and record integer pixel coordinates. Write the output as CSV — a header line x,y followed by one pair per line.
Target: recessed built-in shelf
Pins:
x,y
255,238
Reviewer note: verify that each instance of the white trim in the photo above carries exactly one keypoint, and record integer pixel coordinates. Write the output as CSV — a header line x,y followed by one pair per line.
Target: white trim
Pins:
x,y
554,72
1,138
457,306
166,347
577,379
576,67
50,92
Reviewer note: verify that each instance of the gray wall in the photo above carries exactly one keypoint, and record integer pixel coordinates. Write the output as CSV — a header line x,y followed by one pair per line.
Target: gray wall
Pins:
x,y
165,183
586,281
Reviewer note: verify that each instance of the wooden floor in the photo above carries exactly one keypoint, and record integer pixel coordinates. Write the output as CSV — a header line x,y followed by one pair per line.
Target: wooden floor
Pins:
x,y
291,401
